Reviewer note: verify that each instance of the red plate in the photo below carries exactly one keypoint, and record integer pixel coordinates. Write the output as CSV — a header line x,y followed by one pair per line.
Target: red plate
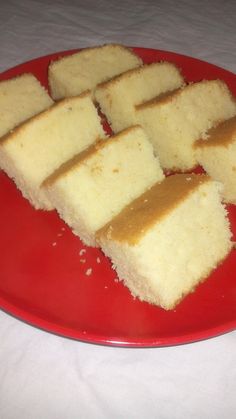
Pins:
x,y
43,277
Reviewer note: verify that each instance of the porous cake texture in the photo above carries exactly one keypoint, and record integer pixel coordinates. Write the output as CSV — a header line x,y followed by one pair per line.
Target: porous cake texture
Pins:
x,y
94,186
175,121
21,98
217,155
39,146
71,75
118,96
167,241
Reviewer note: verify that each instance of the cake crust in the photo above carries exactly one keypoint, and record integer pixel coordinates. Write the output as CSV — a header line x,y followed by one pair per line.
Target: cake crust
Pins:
x,y
222,134
151,206
171,95
162,98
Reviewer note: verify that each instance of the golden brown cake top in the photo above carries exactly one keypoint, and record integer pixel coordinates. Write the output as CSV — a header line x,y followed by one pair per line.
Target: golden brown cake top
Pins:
x,y
222,134
138,217
84,155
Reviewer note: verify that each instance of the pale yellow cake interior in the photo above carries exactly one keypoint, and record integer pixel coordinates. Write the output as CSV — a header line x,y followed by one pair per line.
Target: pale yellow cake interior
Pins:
x,y
118,97
174,123
91,191
178,249
217,155
21,98
163,235
35,149
71,75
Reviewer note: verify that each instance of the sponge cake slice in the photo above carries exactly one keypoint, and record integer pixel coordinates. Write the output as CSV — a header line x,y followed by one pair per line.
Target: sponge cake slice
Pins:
x,y
166,241
73,74
94,186
217,155
39,146
21,98
118,96
175,121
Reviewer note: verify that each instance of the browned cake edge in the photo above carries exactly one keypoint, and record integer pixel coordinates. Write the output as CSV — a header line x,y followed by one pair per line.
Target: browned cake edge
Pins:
x,y
171,95
139,216
221,134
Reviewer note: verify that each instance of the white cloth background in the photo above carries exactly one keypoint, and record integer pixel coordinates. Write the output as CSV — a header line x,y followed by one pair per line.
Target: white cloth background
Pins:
x,y
49,377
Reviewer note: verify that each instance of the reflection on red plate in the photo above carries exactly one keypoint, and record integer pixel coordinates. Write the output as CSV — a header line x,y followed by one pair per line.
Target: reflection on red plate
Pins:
x,y
43,266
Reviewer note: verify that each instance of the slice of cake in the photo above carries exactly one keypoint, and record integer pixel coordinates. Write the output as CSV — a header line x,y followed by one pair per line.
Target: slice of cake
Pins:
x,y
175,121
217,155
169,239
36,148
21,98
118,96
71,75
94,186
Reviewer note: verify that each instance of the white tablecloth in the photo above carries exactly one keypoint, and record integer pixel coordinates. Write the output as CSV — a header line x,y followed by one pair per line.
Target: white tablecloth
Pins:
x,y
50,377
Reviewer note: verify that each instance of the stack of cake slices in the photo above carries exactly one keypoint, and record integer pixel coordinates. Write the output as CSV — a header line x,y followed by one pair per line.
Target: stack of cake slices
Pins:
x,y
158,231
